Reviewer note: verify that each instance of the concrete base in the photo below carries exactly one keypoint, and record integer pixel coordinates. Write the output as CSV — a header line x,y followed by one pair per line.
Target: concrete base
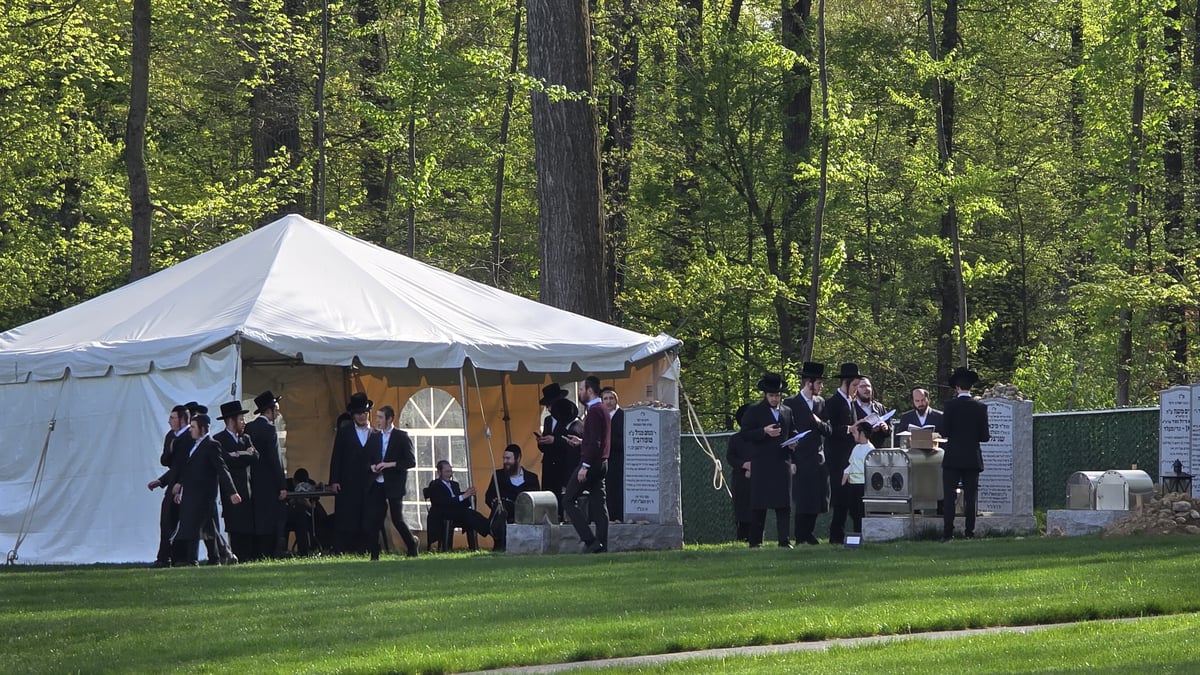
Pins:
x,y
891,528
539,539
1079,522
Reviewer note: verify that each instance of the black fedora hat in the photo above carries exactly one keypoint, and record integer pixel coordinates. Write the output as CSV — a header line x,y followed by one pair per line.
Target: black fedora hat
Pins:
x,y
195,408
848,371
963,377
359,403
232,409
771,383
266,401
812,370
551,393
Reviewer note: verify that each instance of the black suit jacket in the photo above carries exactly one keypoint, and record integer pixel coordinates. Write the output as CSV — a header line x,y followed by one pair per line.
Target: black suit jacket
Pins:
x,y
932,416
443,500
174,447
266,476
881,438
239,518
399,450
350,468
965,426
770,463
811,484
509,492
840,443
199,475
560,455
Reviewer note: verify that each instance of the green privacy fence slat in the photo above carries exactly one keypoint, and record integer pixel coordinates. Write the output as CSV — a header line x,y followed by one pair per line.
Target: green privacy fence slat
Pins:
x,y
1063,443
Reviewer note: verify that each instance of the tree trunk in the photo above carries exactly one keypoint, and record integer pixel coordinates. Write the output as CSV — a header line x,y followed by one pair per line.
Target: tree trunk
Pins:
x,y
1175,239
275,116
618,151
411,215
373,162
506,116
567,159
135,142
814,281
319,170
1132,214
797,152
689,111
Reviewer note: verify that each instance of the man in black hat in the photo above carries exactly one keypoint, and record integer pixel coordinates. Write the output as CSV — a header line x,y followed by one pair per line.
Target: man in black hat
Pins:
x,y
239,453
767,425
350,477
964,425
214,541
558,456
837,449
615,480
391,469
739,454
176,442
810,485
195,477
268,482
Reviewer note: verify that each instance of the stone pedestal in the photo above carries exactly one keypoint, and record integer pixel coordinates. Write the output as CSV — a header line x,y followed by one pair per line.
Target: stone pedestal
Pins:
x,y
1078,522
891,528
539,539
1006,484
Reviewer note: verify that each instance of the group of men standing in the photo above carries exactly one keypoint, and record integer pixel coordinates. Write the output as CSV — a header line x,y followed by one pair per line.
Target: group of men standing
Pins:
x,y
241,464
790,455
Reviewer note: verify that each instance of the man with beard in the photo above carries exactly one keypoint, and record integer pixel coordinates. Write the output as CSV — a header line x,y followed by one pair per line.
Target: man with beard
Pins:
x,y
810,485
593,467
615,481
766,426
350,476
558,456
864,406
965,427
392,467
268,482
510,480
449,503
837,449
176,442
921,415
195,478
239,454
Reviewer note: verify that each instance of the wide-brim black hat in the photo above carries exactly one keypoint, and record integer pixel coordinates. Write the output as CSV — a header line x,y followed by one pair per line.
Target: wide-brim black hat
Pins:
x,y
551,393
232,409
812,370
771,383
266,401
359,403
848,371
963,377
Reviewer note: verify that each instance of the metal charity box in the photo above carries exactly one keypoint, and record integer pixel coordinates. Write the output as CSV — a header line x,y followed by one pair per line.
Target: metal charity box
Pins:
x,y
1122,489
1081,489
886,474
925,478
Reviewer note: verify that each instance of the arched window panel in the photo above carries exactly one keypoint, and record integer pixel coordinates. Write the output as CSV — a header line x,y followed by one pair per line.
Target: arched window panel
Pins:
x,y
434,420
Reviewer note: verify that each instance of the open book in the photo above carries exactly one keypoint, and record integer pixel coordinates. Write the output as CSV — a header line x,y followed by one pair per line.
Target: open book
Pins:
x,y
876,420
795,438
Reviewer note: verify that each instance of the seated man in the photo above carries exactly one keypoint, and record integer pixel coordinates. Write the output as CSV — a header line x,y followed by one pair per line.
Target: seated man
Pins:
x,y
448,503
512,480
300,511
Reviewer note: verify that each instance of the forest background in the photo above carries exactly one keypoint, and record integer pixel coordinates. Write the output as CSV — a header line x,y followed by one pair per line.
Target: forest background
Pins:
x,y
900,183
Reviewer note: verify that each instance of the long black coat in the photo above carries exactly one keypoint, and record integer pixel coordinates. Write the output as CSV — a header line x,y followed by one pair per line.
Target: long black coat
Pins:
x,y
559,457
965,426
881,438
199,476
266,477
350,467
508,491
909,419
770,463
615,479
810,485
239,518
399,450
738,453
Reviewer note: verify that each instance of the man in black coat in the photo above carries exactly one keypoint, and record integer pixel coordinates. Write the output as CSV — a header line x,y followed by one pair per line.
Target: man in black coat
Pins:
x,y
767,425
510,480
239,453
738,454
865,406
268,482
354,449
449,503
195,478
964,426
178,439
615,480
558,456
837,448
392,466
921,415
810,485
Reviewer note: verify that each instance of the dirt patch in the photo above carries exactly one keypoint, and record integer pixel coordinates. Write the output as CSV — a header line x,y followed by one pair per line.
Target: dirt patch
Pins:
x,y
1170,514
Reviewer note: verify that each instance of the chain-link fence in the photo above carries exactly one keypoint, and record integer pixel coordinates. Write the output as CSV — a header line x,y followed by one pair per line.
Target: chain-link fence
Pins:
x,y
1063,443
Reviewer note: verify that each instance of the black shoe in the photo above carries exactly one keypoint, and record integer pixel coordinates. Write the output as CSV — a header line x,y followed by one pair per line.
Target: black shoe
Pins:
x,y
970,535
210,561
158,564
374,556
755,545
230,559
945,539
811,540
594,546
786,544
412,551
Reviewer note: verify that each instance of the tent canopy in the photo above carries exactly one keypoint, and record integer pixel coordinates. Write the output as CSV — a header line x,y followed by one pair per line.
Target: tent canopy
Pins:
x,y
309,292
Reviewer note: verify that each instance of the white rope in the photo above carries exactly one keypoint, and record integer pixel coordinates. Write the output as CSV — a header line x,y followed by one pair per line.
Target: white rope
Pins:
x,y
718,480
487,429
36,491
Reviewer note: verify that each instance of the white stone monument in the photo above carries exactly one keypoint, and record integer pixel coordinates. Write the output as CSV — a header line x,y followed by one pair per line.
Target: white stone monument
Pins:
x,y
1177,430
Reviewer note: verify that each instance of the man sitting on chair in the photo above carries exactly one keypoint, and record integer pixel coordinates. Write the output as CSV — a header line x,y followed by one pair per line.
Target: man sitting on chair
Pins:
x,y
512,480
448,503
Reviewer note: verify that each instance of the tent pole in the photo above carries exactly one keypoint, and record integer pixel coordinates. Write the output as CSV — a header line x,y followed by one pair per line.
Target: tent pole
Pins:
x,y
504,403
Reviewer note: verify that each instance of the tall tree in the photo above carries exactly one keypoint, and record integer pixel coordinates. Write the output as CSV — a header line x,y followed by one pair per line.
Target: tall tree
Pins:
x,y
617,151
1175,236
1133,206
135,142
567,157
798,189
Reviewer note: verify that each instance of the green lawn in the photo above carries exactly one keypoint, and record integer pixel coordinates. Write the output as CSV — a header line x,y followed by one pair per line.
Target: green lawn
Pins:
x,y
464,612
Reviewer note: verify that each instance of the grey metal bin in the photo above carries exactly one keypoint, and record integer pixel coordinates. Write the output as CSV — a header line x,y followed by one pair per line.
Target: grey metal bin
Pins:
x,y
1081,489
1122,489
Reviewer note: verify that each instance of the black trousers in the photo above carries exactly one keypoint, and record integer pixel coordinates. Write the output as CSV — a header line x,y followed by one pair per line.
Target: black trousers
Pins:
x,y
783,519
597,504
839,502
554,480
970,486
168,520
396,508
244,545
805,524
855,492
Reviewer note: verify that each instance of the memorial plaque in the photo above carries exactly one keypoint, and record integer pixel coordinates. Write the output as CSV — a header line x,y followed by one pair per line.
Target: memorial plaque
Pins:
x,y
996,481
1191,467
1175,429
642,468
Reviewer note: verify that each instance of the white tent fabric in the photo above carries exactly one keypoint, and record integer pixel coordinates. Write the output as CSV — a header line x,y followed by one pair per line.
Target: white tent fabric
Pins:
x,y
301,289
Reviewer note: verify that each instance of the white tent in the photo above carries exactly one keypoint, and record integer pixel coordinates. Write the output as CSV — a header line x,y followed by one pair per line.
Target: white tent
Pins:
x,y
297,307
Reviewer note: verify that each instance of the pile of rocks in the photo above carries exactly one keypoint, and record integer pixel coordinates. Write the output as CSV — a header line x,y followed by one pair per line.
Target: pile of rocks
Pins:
x,y
1172,513
1005,391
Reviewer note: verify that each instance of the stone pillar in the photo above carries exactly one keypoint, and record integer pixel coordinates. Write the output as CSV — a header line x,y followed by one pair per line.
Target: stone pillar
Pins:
x,y
1006,484
1178,419
652,476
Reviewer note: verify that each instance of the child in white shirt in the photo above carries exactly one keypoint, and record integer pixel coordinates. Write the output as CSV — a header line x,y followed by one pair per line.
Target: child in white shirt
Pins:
x,y
855,474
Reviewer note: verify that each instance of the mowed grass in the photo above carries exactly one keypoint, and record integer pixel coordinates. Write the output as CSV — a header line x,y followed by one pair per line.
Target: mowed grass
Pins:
x,y
466,612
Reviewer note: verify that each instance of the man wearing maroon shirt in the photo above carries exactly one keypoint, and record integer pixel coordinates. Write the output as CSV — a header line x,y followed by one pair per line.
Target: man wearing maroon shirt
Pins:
x,y
593,466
